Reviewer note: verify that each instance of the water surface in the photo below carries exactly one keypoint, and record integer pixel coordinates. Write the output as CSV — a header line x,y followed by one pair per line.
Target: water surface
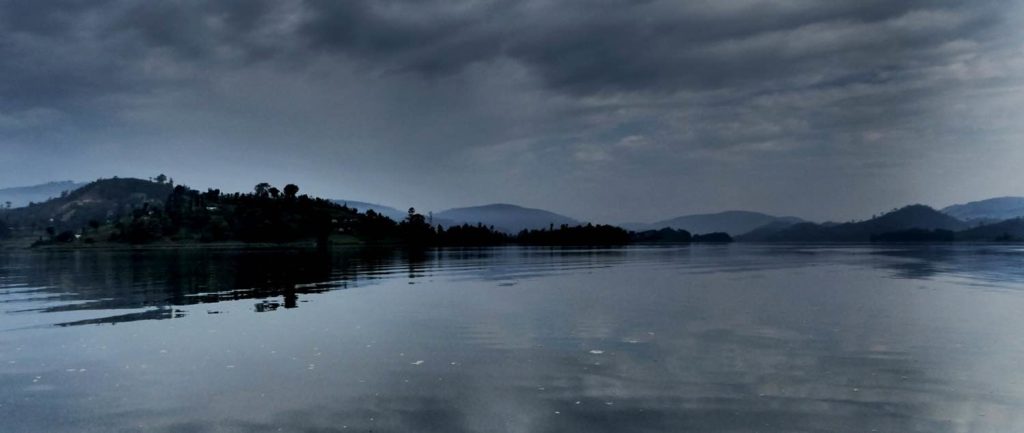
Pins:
x,y
735,338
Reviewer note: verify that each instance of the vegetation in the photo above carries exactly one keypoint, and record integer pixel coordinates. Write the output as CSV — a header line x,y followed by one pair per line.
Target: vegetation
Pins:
x,y
912,217
135,211
665,235
716,238
575,235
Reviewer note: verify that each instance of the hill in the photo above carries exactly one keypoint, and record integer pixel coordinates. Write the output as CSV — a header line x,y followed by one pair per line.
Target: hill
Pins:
x,y
362,206
23,195
504,217
104,200
733,222
911,217
1009,230
133,211
987,211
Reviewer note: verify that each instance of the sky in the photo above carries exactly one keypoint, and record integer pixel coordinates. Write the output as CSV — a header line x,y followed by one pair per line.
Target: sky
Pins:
x,y
604,110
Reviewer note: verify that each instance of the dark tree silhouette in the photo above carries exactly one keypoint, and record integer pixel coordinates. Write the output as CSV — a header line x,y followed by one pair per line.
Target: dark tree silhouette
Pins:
x,y
262,189
715,238
291,190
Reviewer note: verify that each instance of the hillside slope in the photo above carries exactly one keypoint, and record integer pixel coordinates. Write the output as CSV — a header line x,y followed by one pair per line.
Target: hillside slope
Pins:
x,y
23,195
906,218
505,217
103,200
987,211
362,206
733,222
1009,230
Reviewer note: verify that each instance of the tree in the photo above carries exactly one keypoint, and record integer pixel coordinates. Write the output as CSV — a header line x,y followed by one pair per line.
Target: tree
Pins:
x,y
274,192
291,190
262,189
161,178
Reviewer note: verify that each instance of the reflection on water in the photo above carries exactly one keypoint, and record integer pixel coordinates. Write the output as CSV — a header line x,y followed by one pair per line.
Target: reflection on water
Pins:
x,y
711,338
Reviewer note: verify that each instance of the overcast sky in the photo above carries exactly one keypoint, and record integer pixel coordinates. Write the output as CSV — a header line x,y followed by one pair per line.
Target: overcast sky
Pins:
x,y
608,110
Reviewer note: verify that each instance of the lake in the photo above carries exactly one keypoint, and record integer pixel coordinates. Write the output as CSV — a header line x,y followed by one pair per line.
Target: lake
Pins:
x,y
727,338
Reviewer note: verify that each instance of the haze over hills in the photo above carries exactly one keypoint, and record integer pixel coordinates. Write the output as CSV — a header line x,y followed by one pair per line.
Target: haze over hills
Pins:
x,y
505,217
1008,230
734,222
987,211
109,199
99,201
362,206
23,195
919,217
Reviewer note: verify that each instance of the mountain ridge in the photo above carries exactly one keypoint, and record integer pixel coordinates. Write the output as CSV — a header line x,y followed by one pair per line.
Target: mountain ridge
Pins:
x,y
734,222
988,210
916,216
20,196
362,206
506,217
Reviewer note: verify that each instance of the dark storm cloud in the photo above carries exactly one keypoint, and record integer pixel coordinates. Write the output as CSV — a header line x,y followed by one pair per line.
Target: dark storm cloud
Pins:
x,y
740,100
619,45
581,47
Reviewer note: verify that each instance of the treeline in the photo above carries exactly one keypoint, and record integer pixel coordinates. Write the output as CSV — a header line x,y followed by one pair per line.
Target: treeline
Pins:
x,y
269,215
669,235
272,215
265,215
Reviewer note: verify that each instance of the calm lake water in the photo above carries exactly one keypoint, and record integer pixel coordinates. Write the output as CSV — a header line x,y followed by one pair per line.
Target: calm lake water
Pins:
x,y
735,338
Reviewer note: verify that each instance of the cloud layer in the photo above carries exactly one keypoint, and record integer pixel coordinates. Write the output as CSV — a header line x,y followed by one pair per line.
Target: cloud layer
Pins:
x,y
606,109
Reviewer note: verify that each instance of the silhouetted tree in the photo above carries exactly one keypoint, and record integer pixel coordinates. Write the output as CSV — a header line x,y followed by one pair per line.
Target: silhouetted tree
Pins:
x,y
262,189
161,178
291,190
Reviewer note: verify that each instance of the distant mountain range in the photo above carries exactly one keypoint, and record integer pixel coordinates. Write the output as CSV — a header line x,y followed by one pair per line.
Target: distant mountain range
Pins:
x,y
913,217
23,195
505,217
987,211
999,218
508,218
734,222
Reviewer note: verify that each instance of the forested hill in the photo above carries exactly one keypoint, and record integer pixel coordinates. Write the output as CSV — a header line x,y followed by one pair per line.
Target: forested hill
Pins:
x,y
96,203
913,217
135,211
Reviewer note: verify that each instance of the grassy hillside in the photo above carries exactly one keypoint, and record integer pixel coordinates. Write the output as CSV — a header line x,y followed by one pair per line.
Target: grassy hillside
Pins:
x,y
100,202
